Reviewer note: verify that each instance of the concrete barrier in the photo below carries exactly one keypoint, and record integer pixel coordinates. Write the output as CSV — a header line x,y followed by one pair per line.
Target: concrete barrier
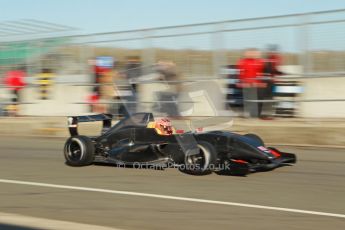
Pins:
x,y
280,131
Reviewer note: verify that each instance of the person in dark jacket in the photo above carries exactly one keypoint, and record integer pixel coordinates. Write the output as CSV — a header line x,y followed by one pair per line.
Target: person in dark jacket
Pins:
x,y
271,69
133,71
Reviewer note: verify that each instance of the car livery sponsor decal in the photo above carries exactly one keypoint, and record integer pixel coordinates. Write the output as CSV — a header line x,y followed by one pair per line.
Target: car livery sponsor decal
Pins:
x,y
262,148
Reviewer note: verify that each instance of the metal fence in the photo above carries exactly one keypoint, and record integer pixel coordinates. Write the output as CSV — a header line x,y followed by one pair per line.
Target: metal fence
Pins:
x,y
312,40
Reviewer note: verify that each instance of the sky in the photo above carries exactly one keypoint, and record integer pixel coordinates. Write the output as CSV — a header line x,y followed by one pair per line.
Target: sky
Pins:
x,y
97,16
92,16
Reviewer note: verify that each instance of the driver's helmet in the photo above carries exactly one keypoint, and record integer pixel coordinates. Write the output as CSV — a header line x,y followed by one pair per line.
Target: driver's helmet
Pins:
x,y
164,125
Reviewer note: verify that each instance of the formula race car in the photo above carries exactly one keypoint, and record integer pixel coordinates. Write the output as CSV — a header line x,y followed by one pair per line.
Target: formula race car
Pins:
x,y
140,141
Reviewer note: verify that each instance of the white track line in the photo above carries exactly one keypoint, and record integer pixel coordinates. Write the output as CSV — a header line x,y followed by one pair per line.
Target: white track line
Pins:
x,y
48,224
172,198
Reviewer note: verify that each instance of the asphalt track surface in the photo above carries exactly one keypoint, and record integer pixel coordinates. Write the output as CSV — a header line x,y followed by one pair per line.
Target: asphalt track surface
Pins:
x,y
316,183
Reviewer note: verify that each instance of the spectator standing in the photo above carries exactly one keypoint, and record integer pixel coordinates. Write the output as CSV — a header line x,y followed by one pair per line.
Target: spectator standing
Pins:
x,y
133,71
250,71
168,75
272,62
102,79
14,80
128,95
98,71
45,82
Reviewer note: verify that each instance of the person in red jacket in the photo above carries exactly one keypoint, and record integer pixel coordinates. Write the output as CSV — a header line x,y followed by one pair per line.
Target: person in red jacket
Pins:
x,y
250,73
14,80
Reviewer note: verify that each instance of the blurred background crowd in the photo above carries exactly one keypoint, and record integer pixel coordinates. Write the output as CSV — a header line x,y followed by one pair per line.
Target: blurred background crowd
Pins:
x,y
289,65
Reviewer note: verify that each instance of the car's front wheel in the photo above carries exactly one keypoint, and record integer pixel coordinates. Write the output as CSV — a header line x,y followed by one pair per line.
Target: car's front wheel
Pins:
x,y
202,161
79,151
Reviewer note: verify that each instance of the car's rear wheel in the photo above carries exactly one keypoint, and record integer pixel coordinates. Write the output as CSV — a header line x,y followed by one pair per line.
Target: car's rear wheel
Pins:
x,y
79,151
201,162
256,138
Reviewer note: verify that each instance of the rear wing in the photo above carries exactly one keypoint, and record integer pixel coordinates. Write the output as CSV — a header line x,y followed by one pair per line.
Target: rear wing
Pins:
x,y
74,120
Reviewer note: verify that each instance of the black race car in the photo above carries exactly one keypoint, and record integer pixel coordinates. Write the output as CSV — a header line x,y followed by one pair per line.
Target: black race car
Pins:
x,y
131,143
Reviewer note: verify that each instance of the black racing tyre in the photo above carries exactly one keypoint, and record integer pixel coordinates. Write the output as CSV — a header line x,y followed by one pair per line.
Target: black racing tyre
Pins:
x,y
79,151
255,137
202,163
